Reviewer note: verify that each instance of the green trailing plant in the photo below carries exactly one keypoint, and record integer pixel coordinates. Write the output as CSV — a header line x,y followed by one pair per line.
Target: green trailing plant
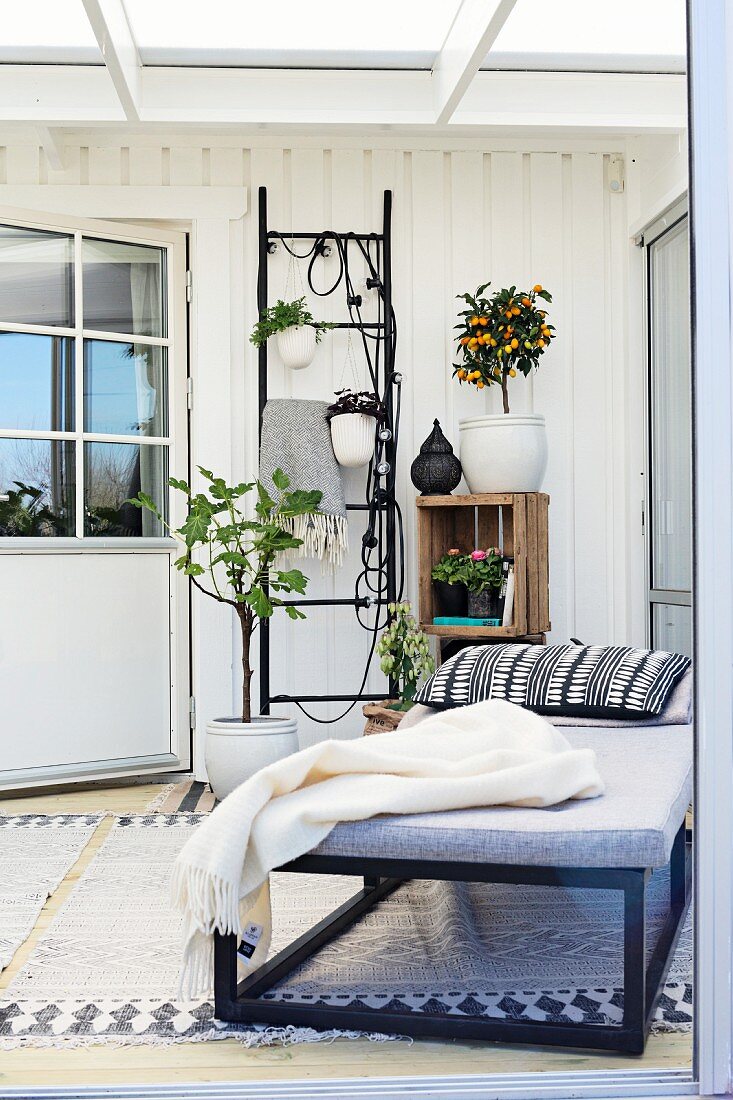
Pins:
x,y
404,652
238,552
451,568
501,335
284,315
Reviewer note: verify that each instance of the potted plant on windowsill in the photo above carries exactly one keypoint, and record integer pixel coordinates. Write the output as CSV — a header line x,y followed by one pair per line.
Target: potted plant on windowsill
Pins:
x,y
449,582
482,574
499,337
405,657
295,329
237,554
354,418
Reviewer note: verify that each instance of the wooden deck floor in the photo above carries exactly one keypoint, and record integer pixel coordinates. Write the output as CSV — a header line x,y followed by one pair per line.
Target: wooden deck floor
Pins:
x,y
227,1060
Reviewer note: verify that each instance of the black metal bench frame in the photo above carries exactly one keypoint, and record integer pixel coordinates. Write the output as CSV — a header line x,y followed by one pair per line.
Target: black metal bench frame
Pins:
x,y
643,981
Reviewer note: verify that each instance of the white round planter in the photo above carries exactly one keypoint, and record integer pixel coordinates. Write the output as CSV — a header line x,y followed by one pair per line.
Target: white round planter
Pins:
x,y
297,346
352,435
505,453
236,750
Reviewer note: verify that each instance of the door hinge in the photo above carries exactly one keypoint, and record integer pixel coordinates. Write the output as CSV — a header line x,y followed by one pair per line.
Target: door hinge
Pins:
x,y
192,712
643,519
189,286
189,393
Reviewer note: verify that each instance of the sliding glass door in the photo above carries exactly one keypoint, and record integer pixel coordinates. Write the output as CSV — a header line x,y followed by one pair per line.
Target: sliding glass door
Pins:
x,y
669,489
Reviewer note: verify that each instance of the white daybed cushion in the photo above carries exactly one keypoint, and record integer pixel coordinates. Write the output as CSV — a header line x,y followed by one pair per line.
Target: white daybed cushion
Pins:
x,y
648,777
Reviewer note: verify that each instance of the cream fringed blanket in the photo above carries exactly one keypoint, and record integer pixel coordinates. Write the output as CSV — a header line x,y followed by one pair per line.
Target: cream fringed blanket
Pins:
x,y
488,754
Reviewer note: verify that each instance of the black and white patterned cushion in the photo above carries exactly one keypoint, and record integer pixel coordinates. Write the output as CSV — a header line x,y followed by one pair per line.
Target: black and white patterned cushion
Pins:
x,y
593,681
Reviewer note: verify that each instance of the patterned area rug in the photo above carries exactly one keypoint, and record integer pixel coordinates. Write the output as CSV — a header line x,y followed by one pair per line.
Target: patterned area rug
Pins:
x,y
107,967
190,796
37,852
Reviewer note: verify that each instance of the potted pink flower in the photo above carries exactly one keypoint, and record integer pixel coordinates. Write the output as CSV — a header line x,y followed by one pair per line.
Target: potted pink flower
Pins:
x,y
482,576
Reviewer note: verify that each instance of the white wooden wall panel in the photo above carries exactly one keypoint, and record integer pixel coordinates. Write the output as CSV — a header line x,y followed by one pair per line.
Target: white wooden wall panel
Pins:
x,y
461,216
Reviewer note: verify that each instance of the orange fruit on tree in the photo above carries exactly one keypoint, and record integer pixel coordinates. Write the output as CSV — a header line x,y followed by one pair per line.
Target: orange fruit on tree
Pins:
x,y
540,343
512,373
479,385
515,343
526,302
537,288
483,320
474,321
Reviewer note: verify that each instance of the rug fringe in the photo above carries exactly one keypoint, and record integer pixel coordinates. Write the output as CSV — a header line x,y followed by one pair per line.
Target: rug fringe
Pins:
x,y
271,1036
160,798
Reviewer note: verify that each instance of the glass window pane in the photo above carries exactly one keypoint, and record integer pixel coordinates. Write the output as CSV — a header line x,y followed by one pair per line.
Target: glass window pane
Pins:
x,y
36,277
36,382
113,473
671,415
123,287
125,388
672,628
36,487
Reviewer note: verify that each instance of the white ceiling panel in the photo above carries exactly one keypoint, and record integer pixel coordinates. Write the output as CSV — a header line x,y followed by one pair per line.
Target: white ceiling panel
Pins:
x,y
314,34
49,32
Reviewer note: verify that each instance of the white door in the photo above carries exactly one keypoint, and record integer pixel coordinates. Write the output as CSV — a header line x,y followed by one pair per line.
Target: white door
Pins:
x,y
94,673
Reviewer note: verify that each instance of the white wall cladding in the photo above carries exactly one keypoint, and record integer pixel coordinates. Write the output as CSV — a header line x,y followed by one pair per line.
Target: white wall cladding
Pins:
x,y
461,216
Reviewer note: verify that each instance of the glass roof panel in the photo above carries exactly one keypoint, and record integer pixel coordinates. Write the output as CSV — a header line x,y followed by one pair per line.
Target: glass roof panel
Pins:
x,y
47,32
625,35
315,34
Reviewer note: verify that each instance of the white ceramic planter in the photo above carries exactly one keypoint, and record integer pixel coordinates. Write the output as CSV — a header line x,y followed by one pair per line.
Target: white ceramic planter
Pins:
x,y
505,453
297,346
236,750
352,435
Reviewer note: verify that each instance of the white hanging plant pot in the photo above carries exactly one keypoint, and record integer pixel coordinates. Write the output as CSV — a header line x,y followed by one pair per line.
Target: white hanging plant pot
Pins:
x,y
236,750
505,453
352,435
297,346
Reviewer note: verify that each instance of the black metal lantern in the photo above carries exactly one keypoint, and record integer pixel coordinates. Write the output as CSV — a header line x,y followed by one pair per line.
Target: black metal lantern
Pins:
x,y
436,470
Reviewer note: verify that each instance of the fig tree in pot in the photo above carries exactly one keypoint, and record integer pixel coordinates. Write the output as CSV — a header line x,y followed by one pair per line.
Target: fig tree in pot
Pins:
x,y
499,337
354,419
232,557
296,332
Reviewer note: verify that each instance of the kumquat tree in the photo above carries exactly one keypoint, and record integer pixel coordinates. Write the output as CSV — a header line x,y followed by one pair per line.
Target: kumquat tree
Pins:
x,y
501,335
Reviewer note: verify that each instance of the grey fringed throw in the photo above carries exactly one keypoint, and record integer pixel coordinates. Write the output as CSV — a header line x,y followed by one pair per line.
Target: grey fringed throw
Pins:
x,y
296,437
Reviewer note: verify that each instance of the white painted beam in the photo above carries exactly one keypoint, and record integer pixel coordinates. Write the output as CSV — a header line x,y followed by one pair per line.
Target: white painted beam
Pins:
x,y
52,144
119,50
585,104
471,36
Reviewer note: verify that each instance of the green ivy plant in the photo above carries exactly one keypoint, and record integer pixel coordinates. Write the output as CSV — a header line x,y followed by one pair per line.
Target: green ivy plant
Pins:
x,y
285,315
404,652
237,551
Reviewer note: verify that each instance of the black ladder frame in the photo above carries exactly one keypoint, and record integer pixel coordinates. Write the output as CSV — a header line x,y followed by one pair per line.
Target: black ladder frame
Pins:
x,y
387,382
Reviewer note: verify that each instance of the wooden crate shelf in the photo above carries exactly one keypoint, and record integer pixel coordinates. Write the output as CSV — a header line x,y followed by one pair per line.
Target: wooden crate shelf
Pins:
x,y
468,522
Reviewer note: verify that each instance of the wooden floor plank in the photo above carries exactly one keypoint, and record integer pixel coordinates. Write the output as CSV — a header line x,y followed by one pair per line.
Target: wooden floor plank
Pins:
x,y
228,1060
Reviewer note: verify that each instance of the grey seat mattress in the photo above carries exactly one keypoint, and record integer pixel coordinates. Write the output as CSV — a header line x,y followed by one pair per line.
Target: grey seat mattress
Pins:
x,y
648,778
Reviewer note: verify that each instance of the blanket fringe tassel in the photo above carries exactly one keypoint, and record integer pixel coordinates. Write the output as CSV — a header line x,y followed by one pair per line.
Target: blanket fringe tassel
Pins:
x,y
324,536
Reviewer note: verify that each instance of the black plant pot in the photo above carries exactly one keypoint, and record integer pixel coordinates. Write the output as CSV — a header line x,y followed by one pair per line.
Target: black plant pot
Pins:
x,y
452,598
483,605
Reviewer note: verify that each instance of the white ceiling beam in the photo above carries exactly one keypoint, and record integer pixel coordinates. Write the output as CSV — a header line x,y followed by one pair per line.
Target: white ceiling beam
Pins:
x,y
587,104
51,142
474,30
119,50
